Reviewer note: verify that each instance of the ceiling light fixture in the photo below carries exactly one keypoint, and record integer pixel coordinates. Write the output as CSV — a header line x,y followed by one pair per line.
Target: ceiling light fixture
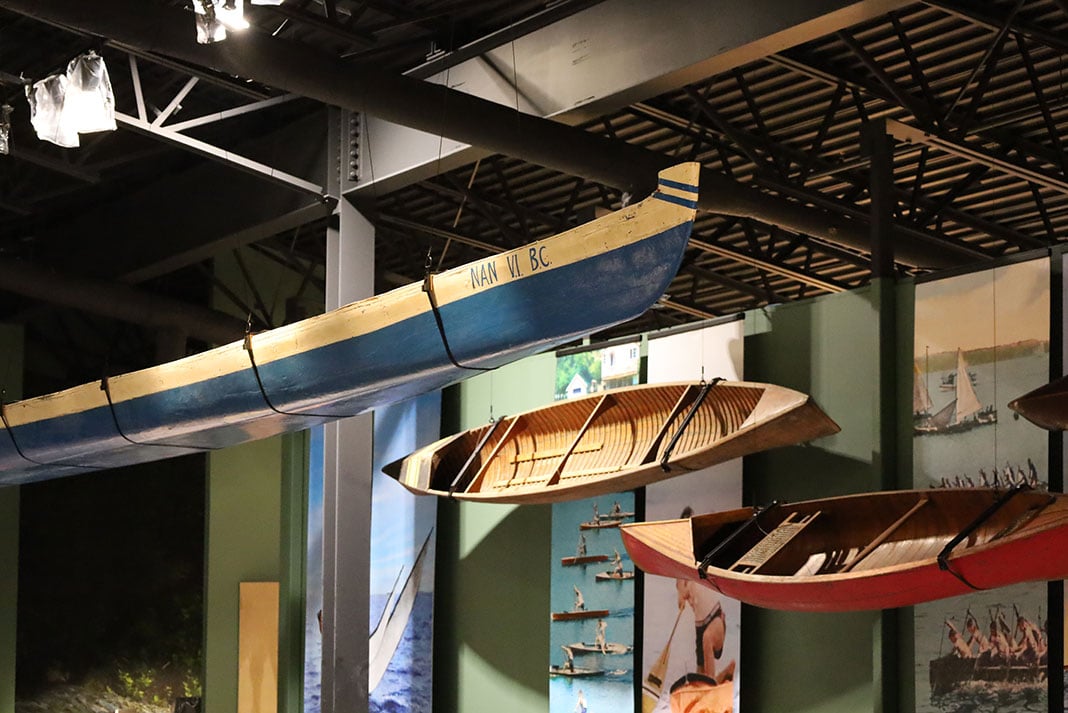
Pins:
x,y
209,28
232,14
5,129
78,101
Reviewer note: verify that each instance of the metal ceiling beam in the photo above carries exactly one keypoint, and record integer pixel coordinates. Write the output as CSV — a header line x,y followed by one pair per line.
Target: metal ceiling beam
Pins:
x,y
912,135
440,110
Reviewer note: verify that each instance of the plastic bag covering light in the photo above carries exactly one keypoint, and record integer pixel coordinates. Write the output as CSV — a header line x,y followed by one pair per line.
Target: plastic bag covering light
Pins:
x,y
5,129
80,101
209,28
231,13
90,103
46,98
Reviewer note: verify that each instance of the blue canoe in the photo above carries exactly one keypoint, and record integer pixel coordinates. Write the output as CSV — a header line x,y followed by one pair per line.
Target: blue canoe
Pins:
x,y
366,354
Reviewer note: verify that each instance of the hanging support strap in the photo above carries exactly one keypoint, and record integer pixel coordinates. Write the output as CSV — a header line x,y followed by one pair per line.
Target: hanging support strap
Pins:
x,y
754,521
943,556
428,288
705,388
15,443
474,454
105,386
263,391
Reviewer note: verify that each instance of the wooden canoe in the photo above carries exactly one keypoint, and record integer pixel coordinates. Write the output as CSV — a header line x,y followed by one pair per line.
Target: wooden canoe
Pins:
x,y
611,442
613,576
871,551
372,352
1046,406
579,614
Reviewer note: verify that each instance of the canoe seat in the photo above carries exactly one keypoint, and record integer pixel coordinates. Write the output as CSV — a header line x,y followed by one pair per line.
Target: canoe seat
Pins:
x,y
774,541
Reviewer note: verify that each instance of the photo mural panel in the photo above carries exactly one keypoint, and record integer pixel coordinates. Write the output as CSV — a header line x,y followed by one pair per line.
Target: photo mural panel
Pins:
x,y
1064,459
691,635
591,638
981,339
313,573
401,579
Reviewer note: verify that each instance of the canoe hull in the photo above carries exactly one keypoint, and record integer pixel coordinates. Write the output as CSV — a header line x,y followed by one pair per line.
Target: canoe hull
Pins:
x,y
1046,406
373,352
1037,552
611,442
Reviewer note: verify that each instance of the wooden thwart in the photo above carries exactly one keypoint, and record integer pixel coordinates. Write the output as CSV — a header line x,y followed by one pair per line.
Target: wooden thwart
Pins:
x,y
774,541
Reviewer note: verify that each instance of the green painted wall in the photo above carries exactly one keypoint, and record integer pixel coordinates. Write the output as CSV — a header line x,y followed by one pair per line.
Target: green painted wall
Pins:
x,y
11,357
491,633
491,637
243,545
826,347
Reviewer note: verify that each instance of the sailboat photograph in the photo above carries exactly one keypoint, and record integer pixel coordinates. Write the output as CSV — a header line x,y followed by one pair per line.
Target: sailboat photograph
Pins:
x,y
963,412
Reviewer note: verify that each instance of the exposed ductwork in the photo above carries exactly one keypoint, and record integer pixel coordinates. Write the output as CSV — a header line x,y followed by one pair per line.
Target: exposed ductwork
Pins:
x,y
120,302
151,27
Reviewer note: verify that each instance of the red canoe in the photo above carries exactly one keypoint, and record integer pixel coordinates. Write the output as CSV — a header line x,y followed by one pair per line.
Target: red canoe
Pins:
x,y
871,551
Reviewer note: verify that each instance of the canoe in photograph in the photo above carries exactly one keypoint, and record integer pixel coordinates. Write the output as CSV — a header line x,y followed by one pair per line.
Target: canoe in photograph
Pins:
x,y
579,614
376,351
613,576
1046,406
598,524
870,551
574,671
610,648
951,672
697,693
610,442
585,559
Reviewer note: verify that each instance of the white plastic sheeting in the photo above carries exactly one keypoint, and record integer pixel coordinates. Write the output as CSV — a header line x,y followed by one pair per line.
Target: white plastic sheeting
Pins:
x,y
80,101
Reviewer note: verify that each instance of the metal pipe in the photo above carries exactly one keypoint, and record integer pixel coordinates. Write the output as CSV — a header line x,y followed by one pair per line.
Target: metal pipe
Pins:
x,y
436,109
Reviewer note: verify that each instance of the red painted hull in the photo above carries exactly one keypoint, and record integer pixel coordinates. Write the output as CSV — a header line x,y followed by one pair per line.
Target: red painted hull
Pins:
x,y
1037,552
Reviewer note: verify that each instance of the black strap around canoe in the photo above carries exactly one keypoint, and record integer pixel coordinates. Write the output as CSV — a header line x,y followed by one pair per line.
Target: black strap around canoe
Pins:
x,y
263,389
943,556
18,449
428,288
753,521
105,386
705,388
